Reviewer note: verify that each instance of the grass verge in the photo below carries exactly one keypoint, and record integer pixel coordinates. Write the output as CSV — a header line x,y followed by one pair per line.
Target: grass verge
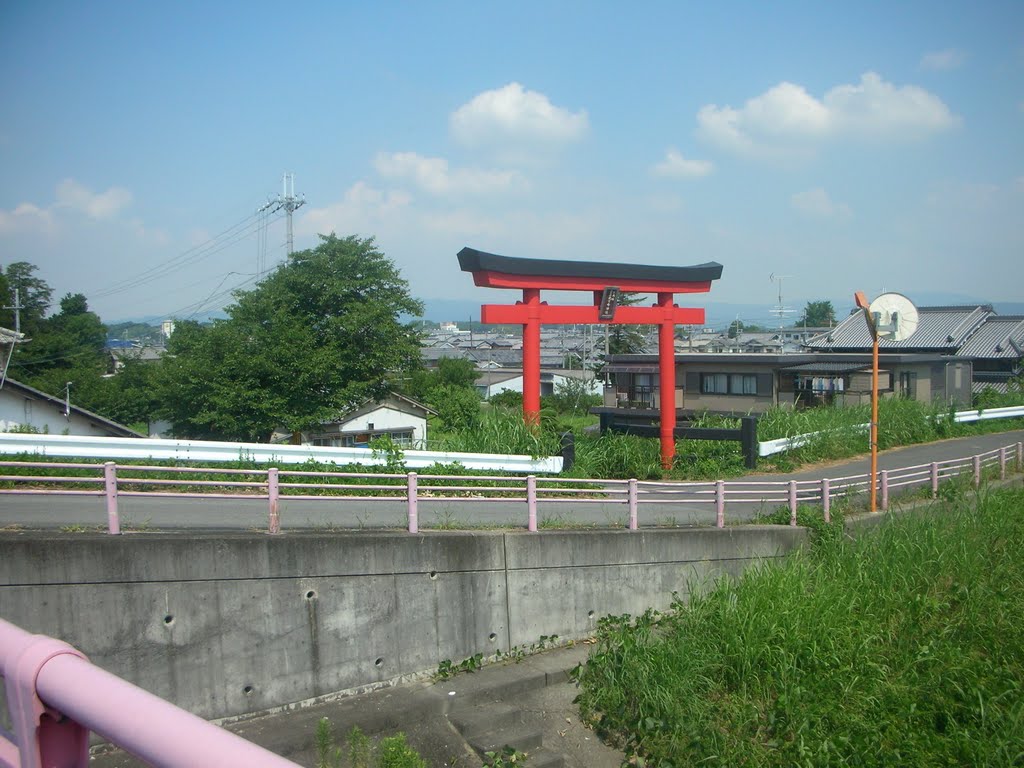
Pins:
x,y
903,647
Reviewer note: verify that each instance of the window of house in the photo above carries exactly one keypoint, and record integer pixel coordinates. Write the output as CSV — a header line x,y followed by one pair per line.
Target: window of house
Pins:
x,y
728,383
714,383
742,384
402,438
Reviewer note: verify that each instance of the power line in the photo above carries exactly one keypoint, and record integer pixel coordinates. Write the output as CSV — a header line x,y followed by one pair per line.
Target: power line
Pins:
x,y
230,236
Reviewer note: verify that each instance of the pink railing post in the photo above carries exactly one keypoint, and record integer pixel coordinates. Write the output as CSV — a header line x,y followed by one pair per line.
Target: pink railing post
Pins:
x,y
43,737
411,496
55,696
977,471
531,502
826,499
720,504
273,494
792,503
631,500
884,480
110,486
935,479
1002,463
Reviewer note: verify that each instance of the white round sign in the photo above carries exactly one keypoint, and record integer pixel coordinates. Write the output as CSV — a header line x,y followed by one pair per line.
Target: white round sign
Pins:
x,y
895,316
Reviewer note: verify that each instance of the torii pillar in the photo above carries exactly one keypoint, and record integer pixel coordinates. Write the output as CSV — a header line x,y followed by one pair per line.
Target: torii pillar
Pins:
x,y
605,281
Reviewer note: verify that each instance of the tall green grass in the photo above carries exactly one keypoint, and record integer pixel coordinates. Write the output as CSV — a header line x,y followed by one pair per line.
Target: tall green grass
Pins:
x,y
904,647
839,433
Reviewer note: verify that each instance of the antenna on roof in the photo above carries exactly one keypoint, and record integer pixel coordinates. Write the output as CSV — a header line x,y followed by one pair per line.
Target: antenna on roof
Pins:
x,y
779,310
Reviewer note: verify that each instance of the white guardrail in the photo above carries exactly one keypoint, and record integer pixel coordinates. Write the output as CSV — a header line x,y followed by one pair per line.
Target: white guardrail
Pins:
x,y
770,447
76,446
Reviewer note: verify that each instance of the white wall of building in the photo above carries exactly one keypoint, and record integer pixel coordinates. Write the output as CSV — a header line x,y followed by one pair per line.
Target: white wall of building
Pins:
x,y
20,409
550,383
384,418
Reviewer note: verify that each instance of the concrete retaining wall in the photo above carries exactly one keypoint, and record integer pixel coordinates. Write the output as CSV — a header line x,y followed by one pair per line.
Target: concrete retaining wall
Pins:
x,y
228,624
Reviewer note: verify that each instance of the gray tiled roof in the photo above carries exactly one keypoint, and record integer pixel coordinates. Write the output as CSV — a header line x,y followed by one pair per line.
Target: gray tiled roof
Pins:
x,y
1002,336
939,328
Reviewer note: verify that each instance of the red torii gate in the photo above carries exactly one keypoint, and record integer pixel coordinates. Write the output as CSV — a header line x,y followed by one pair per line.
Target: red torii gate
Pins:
x,y
605,281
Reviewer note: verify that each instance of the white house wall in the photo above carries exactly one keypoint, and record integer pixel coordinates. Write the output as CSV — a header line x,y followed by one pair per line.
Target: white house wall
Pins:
x,y
515,384
386,419
18,410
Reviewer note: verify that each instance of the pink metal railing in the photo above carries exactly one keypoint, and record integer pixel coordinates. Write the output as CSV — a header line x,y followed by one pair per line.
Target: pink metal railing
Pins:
x,y
55,697
113,481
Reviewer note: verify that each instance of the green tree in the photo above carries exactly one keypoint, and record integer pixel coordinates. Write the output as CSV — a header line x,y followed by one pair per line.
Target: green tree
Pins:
x,y
457,407
321,333
34,294
65,347
451,371
6,300
130,397
818,314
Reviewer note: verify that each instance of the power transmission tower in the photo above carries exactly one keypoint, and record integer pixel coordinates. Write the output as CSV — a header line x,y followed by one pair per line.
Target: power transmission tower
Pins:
x,y
287,202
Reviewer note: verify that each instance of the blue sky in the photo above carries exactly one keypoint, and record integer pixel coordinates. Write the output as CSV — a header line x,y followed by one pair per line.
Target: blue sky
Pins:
x,y
867,146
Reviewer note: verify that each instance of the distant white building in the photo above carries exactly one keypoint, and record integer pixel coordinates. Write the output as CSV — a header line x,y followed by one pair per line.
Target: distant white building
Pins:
x,y
491,382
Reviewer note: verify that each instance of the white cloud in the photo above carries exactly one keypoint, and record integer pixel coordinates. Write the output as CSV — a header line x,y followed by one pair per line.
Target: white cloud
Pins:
x,y
942,61
788,116
363,209
26,216
433,174
677,166
69,195
95,205
816,202
513,113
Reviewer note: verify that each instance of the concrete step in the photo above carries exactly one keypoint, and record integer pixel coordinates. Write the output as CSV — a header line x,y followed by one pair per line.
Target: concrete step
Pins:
x,y
494,683
519,738
543,758
472,720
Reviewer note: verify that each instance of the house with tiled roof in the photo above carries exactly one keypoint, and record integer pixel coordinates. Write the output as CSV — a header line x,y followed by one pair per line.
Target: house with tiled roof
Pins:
x,y
992,343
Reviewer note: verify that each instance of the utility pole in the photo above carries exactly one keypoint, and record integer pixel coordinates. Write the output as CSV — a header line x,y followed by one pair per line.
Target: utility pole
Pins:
x,y
288,202
780,309
17,311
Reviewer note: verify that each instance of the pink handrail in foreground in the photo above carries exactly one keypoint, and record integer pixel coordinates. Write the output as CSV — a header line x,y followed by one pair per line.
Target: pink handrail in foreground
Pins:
x,y
55,696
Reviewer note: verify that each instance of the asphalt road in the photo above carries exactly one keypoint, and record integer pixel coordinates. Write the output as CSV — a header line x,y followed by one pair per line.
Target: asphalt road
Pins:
x,y
678,507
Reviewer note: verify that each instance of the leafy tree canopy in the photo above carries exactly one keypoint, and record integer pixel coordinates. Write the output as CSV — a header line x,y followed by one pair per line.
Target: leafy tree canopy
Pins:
x,y
321,333
34,293
818,314
67,346
455,372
